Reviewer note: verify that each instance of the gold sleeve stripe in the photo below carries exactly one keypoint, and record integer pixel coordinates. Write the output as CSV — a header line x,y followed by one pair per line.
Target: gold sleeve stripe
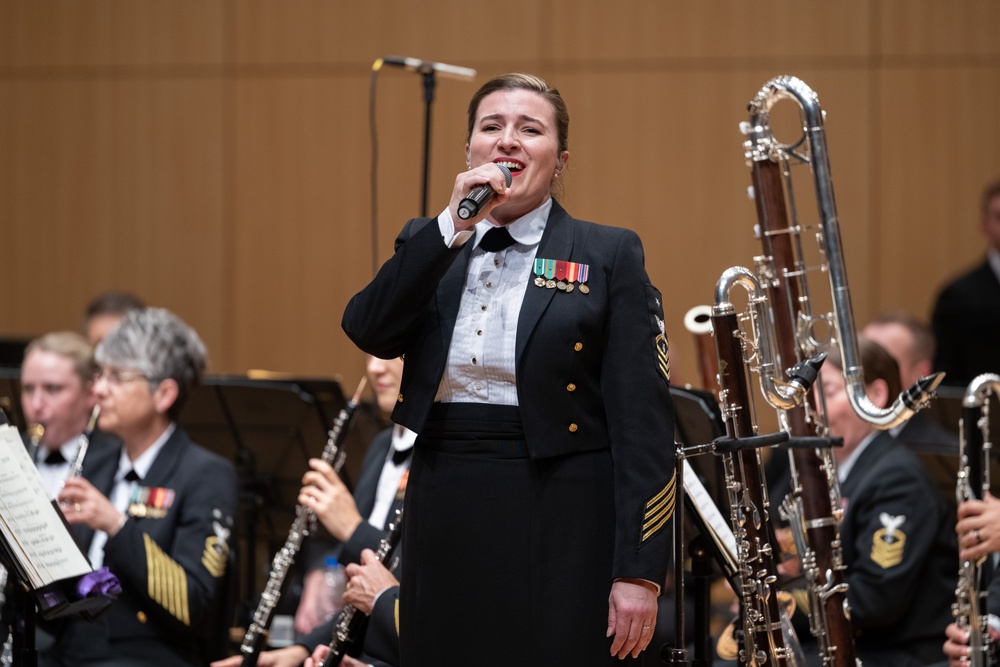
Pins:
x,y
659,509
166,581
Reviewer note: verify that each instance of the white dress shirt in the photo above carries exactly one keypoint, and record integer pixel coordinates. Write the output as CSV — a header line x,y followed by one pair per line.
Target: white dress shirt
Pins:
x,y
121,492
481,358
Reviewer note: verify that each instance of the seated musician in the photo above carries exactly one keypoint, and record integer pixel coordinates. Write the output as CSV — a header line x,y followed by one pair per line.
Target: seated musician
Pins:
x,y
898,542
158,513
357,522
57,398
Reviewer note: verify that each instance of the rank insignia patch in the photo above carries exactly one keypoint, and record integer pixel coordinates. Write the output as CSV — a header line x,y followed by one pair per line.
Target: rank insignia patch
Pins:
x,y
216,553
658,510
888,541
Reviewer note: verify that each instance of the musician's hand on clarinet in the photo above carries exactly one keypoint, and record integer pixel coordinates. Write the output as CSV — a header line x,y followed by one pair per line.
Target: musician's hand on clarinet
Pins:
x,y
322,650
956,647
289,656
325,494
631,616
366,580
977,527
81,503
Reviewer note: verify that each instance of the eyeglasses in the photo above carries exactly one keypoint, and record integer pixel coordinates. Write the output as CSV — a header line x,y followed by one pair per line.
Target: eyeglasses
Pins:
x,y
118,376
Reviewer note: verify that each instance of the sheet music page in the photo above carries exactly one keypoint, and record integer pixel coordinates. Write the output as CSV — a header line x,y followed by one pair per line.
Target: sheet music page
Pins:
x,y
722,532
29,522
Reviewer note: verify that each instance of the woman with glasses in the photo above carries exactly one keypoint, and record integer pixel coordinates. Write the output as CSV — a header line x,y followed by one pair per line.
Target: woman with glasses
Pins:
x,y
159,515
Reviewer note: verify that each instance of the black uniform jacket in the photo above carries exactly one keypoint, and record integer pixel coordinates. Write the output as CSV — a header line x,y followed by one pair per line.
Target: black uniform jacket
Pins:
x,y
966,320
901,555
172,553
592,369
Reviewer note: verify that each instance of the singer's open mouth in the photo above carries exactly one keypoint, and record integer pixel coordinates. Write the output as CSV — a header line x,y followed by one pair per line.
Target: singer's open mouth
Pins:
x,y
510,164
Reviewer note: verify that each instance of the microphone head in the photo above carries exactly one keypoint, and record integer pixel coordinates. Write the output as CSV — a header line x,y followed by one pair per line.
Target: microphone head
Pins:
x,y
506,173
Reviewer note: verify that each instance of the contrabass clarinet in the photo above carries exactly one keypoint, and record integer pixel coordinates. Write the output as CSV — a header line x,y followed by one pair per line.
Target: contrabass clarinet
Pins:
x,y
969,608
345,631
764,643
813,509
303,525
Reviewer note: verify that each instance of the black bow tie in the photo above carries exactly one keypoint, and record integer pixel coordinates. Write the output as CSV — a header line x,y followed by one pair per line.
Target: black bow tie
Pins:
x,y
399,457
54,458
496,239
132,476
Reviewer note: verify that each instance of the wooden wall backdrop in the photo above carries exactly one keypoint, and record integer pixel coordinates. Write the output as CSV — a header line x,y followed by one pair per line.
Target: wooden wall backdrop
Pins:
x,y
213,156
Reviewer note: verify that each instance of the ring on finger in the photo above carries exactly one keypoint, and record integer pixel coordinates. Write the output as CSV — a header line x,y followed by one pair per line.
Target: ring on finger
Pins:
x,y
76,507
979,537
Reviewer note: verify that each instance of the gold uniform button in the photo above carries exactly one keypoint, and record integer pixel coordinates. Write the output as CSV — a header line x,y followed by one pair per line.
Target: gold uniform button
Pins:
x,y
399,399
141,616
571,387
578,347
573,428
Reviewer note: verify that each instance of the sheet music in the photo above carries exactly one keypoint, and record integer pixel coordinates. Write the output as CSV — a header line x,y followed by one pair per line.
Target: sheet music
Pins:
x,y
30,523
721,531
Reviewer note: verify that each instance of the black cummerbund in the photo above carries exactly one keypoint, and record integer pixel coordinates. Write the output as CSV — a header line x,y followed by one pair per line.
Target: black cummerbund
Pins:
x,y
495,431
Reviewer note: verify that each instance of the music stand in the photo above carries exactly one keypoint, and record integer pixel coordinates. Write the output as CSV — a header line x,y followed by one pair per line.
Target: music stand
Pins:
x,y
698,421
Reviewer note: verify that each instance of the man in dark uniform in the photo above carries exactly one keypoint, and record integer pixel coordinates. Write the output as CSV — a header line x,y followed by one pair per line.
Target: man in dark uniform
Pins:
x,y
911,343
966,315
899,544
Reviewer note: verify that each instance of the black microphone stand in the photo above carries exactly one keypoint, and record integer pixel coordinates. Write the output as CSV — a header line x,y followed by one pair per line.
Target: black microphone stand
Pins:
x,y
429,84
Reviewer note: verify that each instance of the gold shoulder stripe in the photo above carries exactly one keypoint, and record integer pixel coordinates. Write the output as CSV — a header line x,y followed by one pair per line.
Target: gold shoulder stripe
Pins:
x,y
166,581
659,509
395,613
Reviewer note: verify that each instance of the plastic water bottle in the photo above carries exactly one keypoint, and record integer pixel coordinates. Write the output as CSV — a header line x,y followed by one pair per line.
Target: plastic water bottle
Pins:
x,y
336,583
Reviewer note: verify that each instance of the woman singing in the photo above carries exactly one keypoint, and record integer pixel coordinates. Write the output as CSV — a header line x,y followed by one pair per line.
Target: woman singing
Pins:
x,y
536,527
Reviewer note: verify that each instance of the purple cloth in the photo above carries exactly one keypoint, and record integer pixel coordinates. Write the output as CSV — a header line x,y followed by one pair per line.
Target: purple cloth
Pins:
x,y
99,582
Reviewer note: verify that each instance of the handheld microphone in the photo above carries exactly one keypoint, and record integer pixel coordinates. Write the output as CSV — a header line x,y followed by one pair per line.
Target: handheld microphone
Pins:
x,y
425,67
480,196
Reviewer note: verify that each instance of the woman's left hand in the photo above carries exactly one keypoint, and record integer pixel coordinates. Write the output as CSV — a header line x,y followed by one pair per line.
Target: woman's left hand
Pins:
x,y
81,503
631,616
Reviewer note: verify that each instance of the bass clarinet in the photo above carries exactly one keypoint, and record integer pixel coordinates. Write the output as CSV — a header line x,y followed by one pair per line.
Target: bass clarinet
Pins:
x,y
969,608
349,621
303,525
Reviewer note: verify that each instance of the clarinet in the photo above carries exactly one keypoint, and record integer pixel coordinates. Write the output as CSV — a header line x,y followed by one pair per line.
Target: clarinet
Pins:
x,y
969,609
303,525
349,621
76,468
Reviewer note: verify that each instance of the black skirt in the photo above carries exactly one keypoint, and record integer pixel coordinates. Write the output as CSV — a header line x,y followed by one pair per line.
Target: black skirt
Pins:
x,y
508,558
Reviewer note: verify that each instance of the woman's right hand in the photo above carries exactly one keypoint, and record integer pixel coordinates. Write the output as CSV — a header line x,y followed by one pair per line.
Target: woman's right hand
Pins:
x,y
466,181
325,494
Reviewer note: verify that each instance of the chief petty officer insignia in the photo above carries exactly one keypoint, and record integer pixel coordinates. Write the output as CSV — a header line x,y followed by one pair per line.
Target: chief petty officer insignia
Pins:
x,y
662,350
888,541
217,545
